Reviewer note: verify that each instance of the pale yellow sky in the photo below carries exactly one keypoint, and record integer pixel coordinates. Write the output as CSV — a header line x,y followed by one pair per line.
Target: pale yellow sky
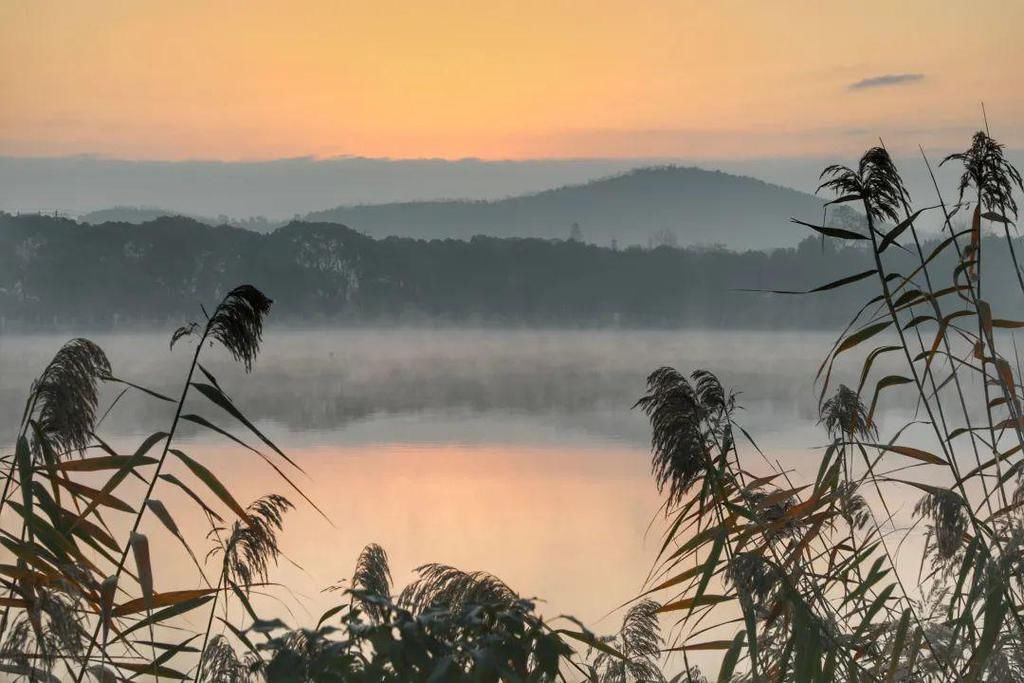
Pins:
x,y
217,79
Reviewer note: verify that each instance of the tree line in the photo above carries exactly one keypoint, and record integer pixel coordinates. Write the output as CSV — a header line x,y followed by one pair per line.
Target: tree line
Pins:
x,y
57,273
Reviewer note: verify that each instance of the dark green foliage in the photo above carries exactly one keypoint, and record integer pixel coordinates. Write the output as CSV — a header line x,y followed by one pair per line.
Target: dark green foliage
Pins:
x,y
474,643
54,273
449,625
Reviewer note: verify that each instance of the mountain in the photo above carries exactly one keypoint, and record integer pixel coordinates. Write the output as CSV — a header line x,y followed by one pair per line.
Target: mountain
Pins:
x,y
282,189
654,205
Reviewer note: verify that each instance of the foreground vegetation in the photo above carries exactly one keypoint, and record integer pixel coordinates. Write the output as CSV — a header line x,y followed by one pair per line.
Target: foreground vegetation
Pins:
x,y
790,579
810,580
81,601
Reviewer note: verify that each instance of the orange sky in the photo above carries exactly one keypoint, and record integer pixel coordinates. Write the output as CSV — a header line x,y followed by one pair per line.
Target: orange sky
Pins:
x,y
500,79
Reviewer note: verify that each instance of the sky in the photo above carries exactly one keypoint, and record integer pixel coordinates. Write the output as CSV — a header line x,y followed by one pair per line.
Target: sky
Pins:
x,y
250,80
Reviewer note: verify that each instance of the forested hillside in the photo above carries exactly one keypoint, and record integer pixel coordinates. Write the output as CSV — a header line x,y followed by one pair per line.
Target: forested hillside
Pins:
x,y
58,273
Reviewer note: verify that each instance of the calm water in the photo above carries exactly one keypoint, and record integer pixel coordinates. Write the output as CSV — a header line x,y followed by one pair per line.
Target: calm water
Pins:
x,y
516,452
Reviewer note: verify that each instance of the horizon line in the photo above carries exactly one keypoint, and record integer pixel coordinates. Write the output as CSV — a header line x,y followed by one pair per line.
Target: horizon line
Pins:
x,y
314,158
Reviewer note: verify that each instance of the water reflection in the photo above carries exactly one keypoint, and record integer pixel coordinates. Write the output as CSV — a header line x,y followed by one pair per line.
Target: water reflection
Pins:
x,y
327,380
514,452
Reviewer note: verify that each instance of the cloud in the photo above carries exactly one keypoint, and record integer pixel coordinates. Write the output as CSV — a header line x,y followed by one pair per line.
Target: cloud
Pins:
x,y
886,80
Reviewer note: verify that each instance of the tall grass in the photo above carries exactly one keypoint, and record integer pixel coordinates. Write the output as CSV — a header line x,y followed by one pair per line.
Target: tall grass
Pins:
x,y
82,599
813,579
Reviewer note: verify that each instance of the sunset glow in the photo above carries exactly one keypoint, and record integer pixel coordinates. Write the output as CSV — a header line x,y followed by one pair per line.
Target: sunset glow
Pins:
x,y
247,80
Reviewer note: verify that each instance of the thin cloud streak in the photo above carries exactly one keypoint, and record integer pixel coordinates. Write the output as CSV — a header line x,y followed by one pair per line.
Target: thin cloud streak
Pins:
x,y
886,81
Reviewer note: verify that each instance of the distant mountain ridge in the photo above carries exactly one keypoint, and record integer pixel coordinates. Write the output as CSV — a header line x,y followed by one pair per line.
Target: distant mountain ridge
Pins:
x,y
145,214
277,189
280,190
652,205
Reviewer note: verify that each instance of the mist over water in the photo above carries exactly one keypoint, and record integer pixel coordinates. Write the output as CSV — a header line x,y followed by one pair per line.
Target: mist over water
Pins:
x,y
327,384
511,451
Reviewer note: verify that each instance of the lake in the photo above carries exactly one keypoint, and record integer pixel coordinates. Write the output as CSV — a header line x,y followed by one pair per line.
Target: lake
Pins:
x,y
510,451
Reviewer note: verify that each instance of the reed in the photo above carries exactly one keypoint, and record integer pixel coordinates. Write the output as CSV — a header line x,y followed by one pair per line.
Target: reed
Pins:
x,y
800,579
81,598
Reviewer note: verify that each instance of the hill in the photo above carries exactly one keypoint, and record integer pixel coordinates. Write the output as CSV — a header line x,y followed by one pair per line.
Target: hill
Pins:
x,y
57,273
125,214
655,205
144,214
